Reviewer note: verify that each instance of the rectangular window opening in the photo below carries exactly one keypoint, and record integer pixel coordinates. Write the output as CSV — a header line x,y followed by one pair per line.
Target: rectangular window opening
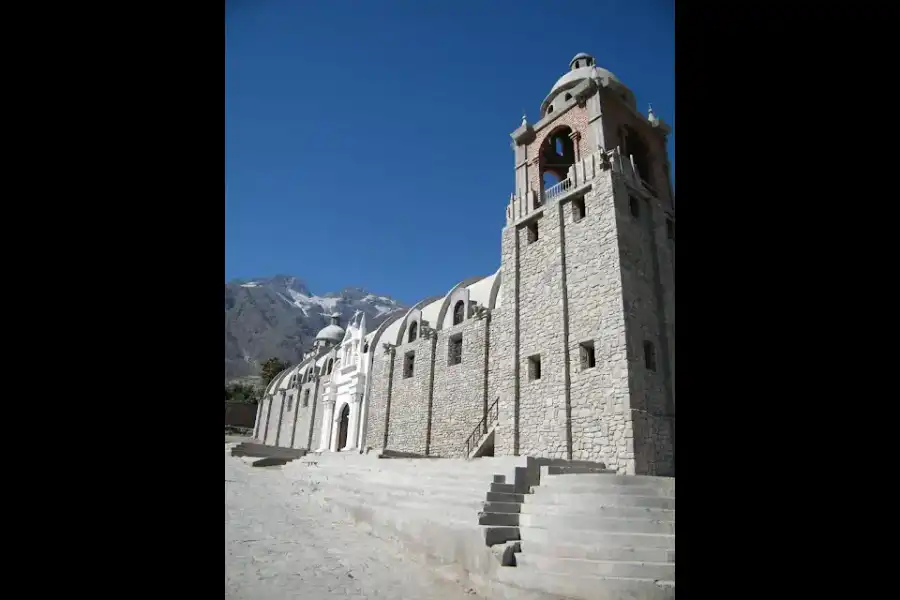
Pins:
x,y
290,403
649,356
634,205
578,210
670,229
408,364
533,232
534,367
455,349
306,398
588,360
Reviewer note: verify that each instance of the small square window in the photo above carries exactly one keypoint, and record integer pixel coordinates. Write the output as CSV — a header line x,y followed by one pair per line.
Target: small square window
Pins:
x,y
634,205
533,232
534,367
455,350
306,398
578,209
649,356
409,364
670,229
588,360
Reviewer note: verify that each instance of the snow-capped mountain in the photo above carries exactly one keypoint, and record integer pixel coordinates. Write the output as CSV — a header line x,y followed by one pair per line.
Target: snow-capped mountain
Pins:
x,y
280,316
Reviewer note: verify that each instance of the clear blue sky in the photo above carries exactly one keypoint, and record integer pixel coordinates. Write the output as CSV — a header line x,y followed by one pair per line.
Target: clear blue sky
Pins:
x,y
367,142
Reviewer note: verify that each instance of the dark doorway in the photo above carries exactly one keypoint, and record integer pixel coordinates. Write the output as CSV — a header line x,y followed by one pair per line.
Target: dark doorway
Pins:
x,y
342,428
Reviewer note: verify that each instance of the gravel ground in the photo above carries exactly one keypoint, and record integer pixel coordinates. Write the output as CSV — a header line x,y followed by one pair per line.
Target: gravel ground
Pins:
x,y
282,544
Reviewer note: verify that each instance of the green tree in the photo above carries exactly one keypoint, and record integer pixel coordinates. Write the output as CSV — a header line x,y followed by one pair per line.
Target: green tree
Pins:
x,y
271,368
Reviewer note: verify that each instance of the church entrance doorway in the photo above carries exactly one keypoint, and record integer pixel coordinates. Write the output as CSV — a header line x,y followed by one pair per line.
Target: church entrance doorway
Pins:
x,y
342,427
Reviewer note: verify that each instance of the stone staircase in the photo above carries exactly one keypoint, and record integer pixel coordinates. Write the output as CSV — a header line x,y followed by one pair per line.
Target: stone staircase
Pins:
x,y
595,535
481,441
433,507
510,527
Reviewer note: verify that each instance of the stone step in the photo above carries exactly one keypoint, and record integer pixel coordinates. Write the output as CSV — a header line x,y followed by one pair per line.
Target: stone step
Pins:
x,y
586,588
501,519
596,568
494,535
452,541
598,510
502,507
481,476
434,502
426,510
504,497
481,484
267,451
622,539
583,479
599,487
476,493
599,550
271,461
586,501
507,488
596,524
559,470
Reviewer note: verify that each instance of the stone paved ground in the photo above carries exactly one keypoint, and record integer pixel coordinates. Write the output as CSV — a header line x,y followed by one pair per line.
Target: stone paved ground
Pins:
x,y
280,544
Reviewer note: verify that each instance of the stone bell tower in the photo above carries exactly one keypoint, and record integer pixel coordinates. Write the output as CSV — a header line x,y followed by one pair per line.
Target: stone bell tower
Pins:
x,y
587,329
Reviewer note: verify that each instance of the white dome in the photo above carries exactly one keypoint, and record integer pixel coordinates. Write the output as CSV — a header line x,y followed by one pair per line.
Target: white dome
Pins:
x,y
581,67
331,333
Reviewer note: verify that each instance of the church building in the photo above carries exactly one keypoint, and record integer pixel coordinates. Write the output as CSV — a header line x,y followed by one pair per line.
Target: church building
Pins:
x,y
566,351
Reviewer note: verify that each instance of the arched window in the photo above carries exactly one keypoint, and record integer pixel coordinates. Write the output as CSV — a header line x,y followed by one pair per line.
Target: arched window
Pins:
x,y
557,154
366,348
413,331
459,312
634,147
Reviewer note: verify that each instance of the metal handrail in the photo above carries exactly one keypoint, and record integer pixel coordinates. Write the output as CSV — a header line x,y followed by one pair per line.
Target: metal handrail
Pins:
x,y
481,428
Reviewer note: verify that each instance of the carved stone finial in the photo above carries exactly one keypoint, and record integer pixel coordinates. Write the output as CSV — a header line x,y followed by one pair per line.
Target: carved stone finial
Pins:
x,y
524,118
387,347
650,115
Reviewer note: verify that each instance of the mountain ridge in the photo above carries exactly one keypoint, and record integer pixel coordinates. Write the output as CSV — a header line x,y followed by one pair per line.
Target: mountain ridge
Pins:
x,y
279,316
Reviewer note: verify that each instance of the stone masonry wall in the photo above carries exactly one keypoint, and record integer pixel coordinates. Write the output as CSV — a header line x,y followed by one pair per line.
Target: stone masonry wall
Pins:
x,y
301,437
542,402
408,425
272,421
648,296
599,396
287,419
503,346
258,427
378,396
615,117
500,375
458,397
